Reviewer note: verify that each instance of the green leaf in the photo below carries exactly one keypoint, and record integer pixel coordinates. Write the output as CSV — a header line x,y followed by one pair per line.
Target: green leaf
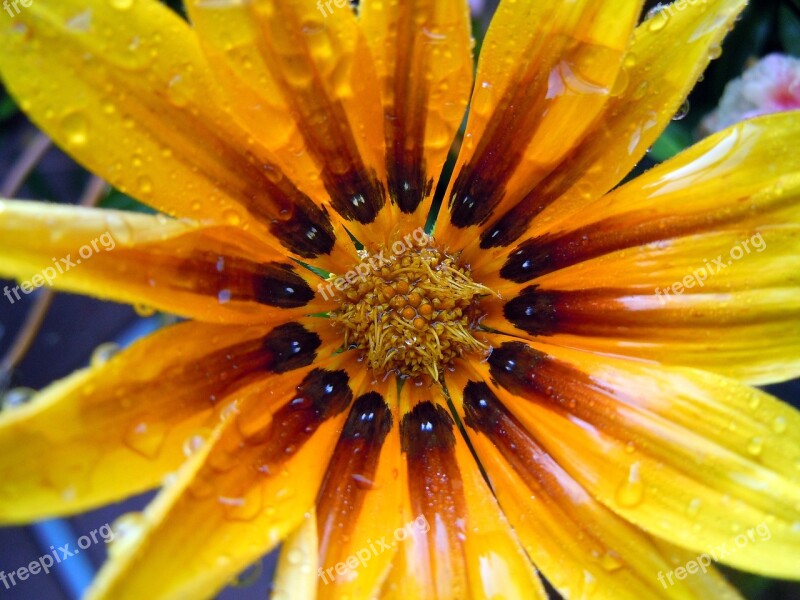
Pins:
x,y
674,139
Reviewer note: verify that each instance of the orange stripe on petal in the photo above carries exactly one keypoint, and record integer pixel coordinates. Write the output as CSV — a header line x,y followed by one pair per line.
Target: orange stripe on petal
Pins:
x,y
153,261
317,85
422,51
142,111
242,493
663,61
458,543
581,546
546,70
111,431
689,456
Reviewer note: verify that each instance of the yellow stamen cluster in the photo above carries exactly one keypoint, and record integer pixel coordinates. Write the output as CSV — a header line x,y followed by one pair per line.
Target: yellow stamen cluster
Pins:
x,y
414,316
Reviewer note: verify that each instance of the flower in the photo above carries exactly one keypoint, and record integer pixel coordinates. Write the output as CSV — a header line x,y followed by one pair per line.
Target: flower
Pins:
x,y
771,84
596,357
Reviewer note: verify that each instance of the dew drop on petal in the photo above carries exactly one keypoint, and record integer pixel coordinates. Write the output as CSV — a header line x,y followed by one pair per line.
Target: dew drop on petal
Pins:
x,y
127,530
76,128
682,111
779,424
631,491
755,445
121,4
16,397
145,438
103,353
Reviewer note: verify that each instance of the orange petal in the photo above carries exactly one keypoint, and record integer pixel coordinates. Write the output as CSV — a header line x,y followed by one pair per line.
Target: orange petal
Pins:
x,y
245,490
312,75
153,261
457,543
127,93
546,71
116,429
699,460
423,56
359,504
583,548
664,60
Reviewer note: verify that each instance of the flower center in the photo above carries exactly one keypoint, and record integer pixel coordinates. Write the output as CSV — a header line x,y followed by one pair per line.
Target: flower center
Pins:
x,y
413,313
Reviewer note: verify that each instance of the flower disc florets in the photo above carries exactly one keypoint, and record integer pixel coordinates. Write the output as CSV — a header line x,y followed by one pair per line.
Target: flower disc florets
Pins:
x,y
414,314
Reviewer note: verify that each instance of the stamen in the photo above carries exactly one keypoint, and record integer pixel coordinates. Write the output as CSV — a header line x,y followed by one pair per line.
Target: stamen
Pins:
x,y
413,316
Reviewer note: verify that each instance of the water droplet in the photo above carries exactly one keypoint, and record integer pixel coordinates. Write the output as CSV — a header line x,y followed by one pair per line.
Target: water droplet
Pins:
x,y
16,397
145,438
224,296
295,557
76,127
103,353
193,443
232,217
145,186
656,18
693,508
249,576
755,445
779,424
682,111
714,52
143,310
631,491
177,91
121,4
611,561
127,530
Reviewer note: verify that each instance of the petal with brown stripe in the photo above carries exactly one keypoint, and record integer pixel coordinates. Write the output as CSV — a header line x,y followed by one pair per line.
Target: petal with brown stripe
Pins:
x,y
217,274
242,493
113,430
140,108
422,51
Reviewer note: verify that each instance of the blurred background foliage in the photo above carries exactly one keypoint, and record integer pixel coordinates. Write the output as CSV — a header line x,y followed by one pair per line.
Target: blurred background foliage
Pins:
x,y
75,325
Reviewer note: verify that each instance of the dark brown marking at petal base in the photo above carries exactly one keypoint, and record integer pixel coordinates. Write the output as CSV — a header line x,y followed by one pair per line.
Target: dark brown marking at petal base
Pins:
x,y
307,232
534,311
352,468
547,253
436,490
427,428
290,346
321,395
229,278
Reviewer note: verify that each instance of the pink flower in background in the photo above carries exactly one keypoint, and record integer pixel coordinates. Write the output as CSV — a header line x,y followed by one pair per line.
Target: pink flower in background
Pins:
x,y
770,85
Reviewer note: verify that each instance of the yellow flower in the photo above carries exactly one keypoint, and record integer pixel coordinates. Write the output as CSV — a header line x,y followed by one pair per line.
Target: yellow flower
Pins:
x,y
612,418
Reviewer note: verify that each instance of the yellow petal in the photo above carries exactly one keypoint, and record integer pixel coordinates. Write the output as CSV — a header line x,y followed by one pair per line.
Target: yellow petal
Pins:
x,y
663,61
423,56
360,505
699,460
127,93
170,265
116,429
727,302
458,544
248,488
692,263
545,73
583,548
312,75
